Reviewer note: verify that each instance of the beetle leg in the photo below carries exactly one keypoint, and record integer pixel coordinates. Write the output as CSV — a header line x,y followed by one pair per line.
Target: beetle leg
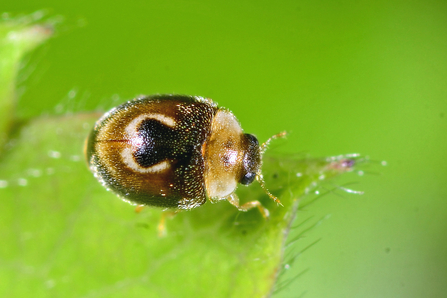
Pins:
x,y
234,200
161,228
139,208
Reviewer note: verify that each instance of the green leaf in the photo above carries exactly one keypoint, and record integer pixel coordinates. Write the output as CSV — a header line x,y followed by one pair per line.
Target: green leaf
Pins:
x,y
70,237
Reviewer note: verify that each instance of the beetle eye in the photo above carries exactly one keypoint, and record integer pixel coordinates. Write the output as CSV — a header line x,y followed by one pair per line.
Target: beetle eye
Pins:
x,y
251,161
248,178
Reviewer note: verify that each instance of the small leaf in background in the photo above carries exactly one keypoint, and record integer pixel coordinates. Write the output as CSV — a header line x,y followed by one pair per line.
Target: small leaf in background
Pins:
x,y
18,36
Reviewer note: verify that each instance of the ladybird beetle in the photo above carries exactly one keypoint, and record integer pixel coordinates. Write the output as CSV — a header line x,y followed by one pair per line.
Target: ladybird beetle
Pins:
x,y
175,151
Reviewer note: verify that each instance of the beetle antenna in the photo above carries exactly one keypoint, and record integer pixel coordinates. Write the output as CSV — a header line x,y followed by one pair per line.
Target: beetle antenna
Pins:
x,y
266,143
259,176
260,179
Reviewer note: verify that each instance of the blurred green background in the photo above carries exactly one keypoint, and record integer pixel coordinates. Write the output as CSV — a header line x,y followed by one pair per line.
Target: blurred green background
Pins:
x,y
341,76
